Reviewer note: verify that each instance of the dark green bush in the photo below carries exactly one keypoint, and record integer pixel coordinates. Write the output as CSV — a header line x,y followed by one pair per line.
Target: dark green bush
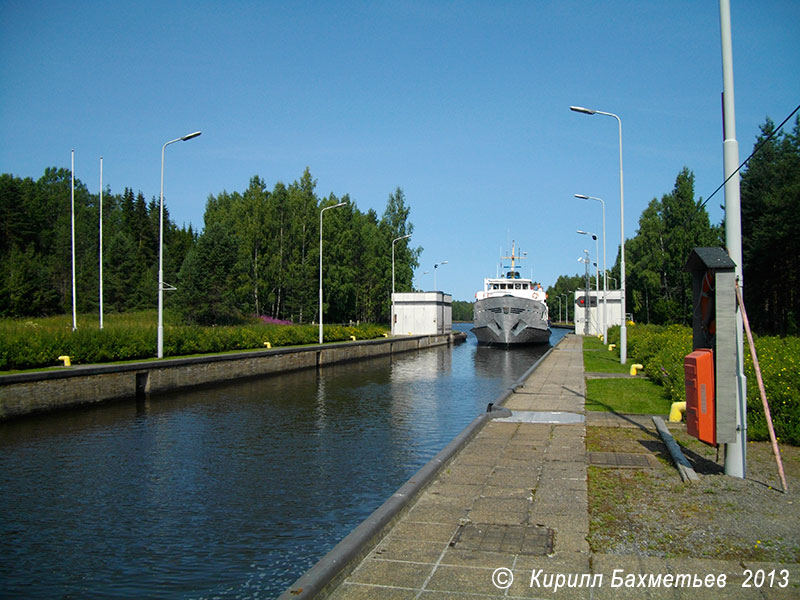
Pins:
x,y
38,343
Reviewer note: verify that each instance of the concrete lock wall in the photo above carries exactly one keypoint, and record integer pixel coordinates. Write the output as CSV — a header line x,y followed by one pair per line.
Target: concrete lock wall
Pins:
x,y
28,393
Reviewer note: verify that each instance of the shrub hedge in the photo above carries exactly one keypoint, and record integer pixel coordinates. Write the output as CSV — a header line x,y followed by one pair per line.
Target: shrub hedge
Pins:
x,y
28,344
662,349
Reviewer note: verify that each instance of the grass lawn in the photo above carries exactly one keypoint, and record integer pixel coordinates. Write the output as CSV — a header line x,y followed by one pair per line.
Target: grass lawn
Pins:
x,y
597,358
626,396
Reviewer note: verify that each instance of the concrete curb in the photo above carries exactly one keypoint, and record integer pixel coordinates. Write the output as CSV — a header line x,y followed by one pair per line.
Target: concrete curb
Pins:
x,y
337,564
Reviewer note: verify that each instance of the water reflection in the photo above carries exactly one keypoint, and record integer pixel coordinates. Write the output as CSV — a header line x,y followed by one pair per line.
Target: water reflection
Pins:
x,y
491,361
231,491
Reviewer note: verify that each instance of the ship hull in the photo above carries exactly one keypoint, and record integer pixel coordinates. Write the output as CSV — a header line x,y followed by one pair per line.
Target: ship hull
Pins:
x,y
510,321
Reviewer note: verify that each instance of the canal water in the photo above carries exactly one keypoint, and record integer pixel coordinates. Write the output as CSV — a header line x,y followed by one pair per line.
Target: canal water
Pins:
x,y
231,491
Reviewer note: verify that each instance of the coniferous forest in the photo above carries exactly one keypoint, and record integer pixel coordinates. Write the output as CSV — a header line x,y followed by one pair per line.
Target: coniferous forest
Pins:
x,y
258,253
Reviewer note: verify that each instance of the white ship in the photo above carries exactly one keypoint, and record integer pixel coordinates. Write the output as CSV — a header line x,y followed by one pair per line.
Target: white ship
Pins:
x,y
511,310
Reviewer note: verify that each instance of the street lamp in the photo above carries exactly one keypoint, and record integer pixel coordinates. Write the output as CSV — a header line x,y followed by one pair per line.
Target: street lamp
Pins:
x,y
435,268
585,260
597,252
623,330
402,237
100,245
605,273
597,264
320,263
72,220
161,245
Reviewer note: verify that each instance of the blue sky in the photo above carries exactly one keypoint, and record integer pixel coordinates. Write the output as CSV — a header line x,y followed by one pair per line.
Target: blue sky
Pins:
x,y
464,105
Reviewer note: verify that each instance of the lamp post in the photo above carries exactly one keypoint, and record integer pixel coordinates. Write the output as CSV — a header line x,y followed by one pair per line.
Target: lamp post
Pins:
x,y
735,452
100,248
566,306
436,268
597,264
320,263
72,220
402,237
623,330
605,273
161,245
585,260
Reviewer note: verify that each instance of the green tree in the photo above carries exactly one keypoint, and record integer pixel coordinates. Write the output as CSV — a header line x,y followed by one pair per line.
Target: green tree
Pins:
x,y
395,221
204,294
565,286
668,230
770,197
462,310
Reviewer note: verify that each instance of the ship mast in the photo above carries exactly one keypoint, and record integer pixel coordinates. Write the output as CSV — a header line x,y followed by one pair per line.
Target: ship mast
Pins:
x,y
513,256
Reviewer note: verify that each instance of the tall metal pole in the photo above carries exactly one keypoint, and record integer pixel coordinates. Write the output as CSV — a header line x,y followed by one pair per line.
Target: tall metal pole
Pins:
x,y
735,452
101,242
605,272
623,330
597,264
161,245
320,264
393,243
72,220
586,261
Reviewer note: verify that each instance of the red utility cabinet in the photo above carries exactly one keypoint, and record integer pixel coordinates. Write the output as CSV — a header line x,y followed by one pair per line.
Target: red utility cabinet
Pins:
x,y
698,368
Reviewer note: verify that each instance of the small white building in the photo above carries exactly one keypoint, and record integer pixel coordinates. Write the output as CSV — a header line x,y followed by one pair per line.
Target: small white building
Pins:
x,y
595,311
422,313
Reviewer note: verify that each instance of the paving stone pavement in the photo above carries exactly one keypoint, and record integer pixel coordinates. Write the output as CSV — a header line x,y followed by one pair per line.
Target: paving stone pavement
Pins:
x,y
508,517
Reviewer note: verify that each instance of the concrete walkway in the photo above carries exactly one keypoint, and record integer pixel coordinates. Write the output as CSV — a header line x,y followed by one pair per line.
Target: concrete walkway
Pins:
x,y
508,516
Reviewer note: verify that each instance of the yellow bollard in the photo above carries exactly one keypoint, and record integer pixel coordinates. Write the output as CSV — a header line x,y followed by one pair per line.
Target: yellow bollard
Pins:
x,y
268,345
611,347
66,359
634,367
676,412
